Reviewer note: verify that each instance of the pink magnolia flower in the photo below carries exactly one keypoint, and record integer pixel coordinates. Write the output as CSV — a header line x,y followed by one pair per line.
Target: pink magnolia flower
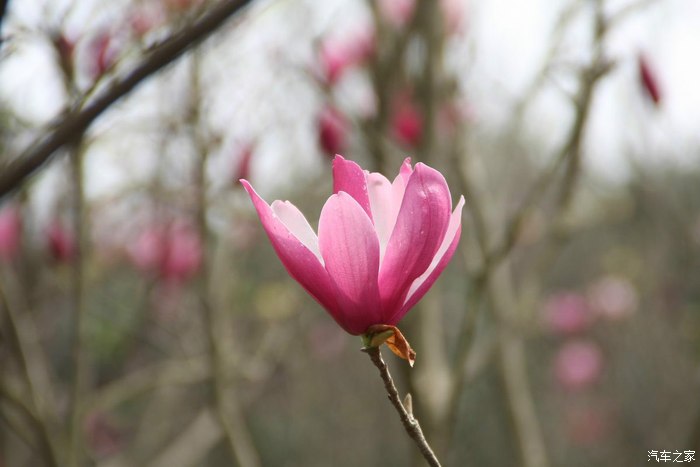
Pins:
x,y
61,242
332,130
648,79
380,245
242,165
10,232
407,123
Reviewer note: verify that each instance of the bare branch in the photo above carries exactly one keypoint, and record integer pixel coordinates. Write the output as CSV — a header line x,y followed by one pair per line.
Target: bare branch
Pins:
x,y
77,120
410,423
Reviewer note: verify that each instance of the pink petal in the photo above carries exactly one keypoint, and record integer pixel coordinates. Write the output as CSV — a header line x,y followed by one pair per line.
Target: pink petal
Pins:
x,y
384,209
385,201
350,178
350,249
294,220
419,231
301,263
442,258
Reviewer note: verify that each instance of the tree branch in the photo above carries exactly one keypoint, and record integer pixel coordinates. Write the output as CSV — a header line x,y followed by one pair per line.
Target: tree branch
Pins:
x,y
410,423
77,120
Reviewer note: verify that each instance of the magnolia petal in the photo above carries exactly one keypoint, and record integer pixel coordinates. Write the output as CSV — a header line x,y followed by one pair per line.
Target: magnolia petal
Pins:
x,y
296,223
350,178
419,231
443,256
384,208
301,263
350,249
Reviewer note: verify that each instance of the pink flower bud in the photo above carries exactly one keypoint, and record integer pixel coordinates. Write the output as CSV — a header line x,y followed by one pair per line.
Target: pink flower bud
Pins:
x,y
242,163
407,123
578,364
102,54
332,131
380,245
648,79
61,242
567,313
10,232
183,254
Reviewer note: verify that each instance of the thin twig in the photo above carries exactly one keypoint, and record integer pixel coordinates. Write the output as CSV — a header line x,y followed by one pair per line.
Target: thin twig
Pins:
x,y
410,423
76,121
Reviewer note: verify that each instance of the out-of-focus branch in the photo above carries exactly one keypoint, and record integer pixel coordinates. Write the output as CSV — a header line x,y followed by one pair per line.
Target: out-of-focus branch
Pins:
x,y
3,10
80,362
232,421
189,371
72,124
410,423
19,341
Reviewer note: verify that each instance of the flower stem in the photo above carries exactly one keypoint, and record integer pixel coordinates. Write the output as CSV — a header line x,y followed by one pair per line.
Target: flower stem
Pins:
x,y
410,423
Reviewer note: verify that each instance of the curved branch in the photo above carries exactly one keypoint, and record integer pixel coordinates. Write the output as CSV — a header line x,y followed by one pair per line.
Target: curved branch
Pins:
x,y
76,121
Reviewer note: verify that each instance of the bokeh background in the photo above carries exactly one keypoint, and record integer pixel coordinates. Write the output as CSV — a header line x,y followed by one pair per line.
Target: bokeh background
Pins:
x,y
145,318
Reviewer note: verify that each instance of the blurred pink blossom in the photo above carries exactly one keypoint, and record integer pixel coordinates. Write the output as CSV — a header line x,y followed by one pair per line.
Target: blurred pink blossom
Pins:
x,y
397,12
380,245
578,364
337,55
183,254
407,122
102,54
332,131
613,297
567,313
60,241
649,79
172,252
10,232
242,163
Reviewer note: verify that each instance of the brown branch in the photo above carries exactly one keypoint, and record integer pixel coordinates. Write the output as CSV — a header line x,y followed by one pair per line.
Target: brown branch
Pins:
x,y
77,120
410,423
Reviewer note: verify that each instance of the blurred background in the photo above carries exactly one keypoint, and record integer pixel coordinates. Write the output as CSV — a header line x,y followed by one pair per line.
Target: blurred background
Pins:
x,y
146,320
